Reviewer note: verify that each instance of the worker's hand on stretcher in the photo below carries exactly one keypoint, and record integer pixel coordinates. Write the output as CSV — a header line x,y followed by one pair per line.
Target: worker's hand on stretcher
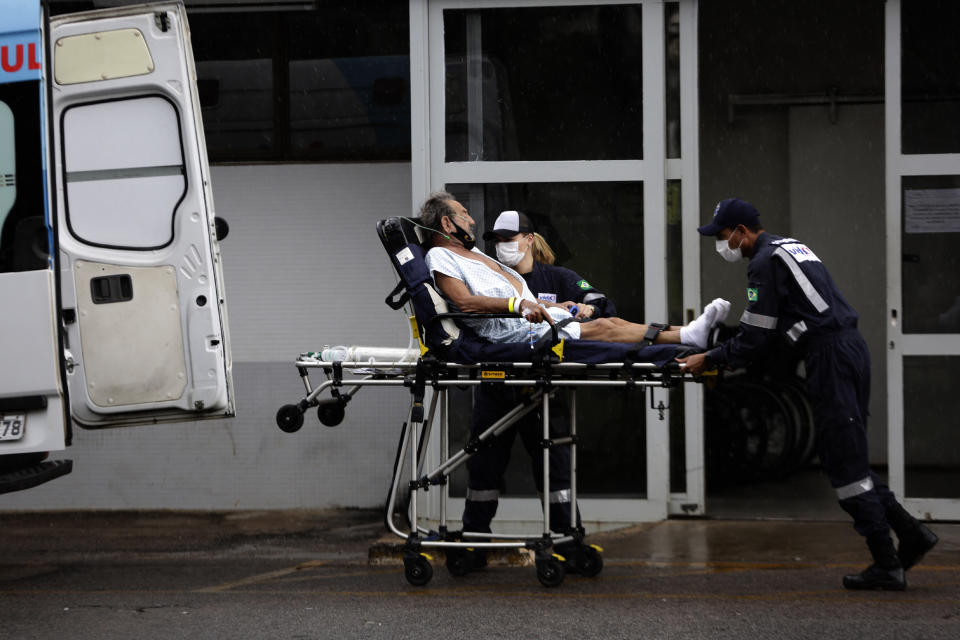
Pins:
x,y
534,312
580,311
696,364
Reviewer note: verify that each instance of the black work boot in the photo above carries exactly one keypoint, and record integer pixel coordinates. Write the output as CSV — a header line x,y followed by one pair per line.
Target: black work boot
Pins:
x,y
914,544
885,573
876,577
915,538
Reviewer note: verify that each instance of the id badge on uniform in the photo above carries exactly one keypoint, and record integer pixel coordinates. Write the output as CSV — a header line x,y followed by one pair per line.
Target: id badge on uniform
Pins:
x,y
547,297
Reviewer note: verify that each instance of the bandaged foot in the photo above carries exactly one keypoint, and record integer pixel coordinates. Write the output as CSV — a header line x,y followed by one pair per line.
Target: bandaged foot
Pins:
x,y
697,332
723,308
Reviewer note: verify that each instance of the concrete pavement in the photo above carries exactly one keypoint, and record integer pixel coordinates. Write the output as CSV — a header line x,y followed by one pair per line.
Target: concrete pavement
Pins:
x,y
309,575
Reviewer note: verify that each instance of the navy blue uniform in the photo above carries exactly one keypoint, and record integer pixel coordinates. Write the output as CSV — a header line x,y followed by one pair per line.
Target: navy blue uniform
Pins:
x,y
791,294
559,284
487,466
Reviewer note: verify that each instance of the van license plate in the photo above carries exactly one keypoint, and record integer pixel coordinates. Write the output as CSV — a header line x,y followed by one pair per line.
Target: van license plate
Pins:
x,y
11,427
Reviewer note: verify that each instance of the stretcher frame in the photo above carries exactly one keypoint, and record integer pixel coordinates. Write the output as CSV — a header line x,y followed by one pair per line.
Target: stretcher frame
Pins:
x,y
544,377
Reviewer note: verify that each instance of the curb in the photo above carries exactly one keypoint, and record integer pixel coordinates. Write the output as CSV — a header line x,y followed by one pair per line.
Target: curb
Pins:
x,y
388,551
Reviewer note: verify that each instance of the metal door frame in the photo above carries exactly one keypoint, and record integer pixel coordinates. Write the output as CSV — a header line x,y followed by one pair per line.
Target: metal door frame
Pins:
x,y
430,171
900,345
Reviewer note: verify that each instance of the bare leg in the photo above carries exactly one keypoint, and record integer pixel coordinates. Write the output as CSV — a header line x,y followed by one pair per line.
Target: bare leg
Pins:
x,y
620,330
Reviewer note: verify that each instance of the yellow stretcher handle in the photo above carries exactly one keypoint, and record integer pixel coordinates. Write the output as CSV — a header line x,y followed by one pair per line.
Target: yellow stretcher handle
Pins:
x,y
416,334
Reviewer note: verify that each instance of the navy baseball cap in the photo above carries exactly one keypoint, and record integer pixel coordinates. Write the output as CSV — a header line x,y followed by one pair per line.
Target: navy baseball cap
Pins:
x,y
730,213
509,224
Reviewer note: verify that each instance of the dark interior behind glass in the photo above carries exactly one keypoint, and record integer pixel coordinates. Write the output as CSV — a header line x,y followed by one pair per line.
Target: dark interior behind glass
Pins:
x,y
931,76
558,83
930,238
23,232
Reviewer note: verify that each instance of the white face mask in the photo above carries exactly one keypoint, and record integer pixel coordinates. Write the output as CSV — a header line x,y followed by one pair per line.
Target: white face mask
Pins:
x,y
509,253
728,254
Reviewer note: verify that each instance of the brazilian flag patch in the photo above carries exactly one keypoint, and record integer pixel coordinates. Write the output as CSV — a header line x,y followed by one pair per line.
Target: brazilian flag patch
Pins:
x,y
583,284
752,294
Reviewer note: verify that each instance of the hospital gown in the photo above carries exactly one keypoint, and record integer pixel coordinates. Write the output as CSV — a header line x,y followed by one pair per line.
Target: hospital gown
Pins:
x,y
484,281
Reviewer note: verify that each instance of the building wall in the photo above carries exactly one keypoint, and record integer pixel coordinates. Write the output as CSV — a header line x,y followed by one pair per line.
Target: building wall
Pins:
x,y
303,267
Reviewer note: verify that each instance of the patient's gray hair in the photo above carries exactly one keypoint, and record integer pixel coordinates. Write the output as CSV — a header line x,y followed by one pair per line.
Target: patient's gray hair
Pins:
x,y
436,206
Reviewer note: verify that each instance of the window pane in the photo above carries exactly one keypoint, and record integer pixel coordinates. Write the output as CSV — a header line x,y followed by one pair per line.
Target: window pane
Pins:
x,y
931,263
929,394
350,107
324,83
111,158
234,59
23,233
678,456
596,229
930,76
671,17
349,90
553,83
8,162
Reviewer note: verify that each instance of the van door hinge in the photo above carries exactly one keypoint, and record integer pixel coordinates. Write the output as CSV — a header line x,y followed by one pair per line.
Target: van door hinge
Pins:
x,y
162,20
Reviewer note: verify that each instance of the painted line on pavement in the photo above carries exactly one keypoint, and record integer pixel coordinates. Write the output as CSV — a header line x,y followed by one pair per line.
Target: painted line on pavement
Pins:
x,y
261,577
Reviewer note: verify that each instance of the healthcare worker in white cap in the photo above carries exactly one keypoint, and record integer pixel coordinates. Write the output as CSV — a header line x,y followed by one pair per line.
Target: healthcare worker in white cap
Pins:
x,y
519,246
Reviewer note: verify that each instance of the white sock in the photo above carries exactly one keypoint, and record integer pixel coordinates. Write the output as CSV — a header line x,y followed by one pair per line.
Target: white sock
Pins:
x,y
697,332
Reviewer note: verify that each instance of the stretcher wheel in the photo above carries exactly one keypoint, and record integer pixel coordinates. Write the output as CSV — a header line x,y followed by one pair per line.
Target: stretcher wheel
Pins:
x,y
458,562
550,572
591,562
290,418
417,570
331,413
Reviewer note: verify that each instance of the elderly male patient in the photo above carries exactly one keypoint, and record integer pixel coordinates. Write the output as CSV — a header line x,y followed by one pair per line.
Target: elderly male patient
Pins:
x,y
476,283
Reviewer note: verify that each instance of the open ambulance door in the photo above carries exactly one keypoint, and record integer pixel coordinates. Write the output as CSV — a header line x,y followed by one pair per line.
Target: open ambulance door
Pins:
x,y
128,319
140,274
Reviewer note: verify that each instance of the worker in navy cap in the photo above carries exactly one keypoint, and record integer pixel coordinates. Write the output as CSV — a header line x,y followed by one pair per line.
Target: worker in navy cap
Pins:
x,y
791,296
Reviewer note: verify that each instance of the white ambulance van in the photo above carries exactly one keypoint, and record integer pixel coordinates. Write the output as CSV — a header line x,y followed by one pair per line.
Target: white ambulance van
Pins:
x,y
112,309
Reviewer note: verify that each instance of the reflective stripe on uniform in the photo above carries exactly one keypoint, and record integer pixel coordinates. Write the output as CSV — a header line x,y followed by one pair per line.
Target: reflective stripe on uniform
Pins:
x,y
797,330
483,495
812,295
559,497
758,320
855,488
590,297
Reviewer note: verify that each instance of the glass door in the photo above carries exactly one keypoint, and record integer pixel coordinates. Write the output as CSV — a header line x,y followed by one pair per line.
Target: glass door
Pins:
x,y
539,106
923,238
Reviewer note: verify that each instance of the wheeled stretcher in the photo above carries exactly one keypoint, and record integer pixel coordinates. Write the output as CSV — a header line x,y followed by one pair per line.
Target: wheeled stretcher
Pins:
x,y
449,355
